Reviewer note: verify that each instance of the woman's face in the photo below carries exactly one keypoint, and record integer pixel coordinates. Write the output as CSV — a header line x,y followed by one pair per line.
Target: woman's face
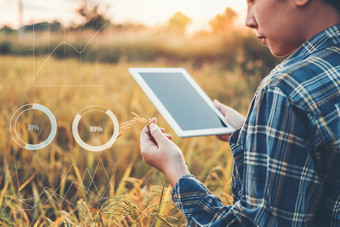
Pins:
x,y
278,24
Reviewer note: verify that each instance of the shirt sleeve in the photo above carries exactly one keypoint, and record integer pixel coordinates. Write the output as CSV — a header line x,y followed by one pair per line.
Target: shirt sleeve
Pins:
x,y
277,183
200,207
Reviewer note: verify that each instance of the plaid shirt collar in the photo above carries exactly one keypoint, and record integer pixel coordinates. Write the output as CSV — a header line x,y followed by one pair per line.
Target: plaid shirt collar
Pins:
x,y
324,39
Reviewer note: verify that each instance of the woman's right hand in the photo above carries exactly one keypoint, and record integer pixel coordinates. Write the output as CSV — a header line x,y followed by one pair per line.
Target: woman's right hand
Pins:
x,y
233,117
161,153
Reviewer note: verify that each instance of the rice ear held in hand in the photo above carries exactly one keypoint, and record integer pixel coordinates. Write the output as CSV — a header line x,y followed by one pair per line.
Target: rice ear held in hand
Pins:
x,y
136,120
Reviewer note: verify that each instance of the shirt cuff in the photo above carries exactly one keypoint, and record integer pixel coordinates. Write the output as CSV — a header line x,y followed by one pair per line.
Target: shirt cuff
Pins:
x,y
188,192
234,137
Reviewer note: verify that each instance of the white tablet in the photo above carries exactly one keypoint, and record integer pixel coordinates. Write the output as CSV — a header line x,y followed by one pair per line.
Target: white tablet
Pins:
x,y
185,106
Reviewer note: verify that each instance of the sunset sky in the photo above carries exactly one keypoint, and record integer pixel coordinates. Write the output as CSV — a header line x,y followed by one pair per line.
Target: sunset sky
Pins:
x,y
148,12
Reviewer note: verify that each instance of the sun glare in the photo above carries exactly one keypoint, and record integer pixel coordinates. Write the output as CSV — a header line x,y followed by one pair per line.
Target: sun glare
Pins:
x,y
148,12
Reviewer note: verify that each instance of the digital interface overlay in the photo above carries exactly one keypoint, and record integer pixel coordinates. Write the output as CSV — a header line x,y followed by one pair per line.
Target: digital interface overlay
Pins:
x,y
34,127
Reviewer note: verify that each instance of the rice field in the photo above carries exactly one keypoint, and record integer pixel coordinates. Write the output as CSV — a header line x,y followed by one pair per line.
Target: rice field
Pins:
x,y
66,185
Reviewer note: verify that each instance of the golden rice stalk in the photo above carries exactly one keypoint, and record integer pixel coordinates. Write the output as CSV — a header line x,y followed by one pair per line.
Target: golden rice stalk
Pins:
x,y
27,182
136,120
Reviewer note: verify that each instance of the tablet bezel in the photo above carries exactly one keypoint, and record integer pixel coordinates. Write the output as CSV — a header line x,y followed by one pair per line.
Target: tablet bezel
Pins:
x,y
135,72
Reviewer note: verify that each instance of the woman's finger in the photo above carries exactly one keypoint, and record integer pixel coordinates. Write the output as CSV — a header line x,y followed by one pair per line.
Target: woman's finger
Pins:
x,y
145,139
169,136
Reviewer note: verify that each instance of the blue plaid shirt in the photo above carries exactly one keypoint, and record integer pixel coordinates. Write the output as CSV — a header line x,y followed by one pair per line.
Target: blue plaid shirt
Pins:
x,y
287,154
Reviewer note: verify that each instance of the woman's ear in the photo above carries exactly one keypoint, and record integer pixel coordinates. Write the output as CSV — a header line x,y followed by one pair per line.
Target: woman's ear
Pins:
x,y
301,3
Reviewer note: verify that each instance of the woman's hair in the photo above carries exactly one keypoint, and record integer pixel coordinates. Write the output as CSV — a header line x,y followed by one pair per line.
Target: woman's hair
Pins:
x,y
334,3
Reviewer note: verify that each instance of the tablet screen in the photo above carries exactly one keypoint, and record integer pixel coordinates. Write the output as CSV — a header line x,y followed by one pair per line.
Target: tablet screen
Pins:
x,y
182,101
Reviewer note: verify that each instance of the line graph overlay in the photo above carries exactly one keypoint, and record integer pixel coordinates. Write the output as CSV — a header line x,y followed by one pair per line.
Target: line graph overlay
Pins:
x,y
79,51
91,189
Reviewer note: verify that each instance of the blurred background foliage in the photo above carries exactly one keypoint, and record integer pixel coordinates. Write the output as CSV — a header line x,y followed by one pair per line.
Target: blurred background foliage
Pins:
x,y
224,44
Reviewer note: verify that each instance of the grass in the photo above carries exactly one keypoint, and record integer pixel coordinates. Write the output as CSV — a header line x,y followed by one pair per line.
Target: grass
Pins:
x,y
133,194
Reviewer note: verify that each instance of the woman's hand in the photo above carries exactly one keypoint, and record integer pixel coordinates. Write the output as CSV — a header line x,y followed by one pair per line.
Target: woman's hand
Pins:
x,y
233,117
161,153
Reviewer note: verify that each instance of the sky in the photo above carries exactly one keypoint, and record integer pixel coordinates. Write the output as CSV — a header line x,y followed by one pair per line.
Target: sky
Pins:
x,y
148,12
